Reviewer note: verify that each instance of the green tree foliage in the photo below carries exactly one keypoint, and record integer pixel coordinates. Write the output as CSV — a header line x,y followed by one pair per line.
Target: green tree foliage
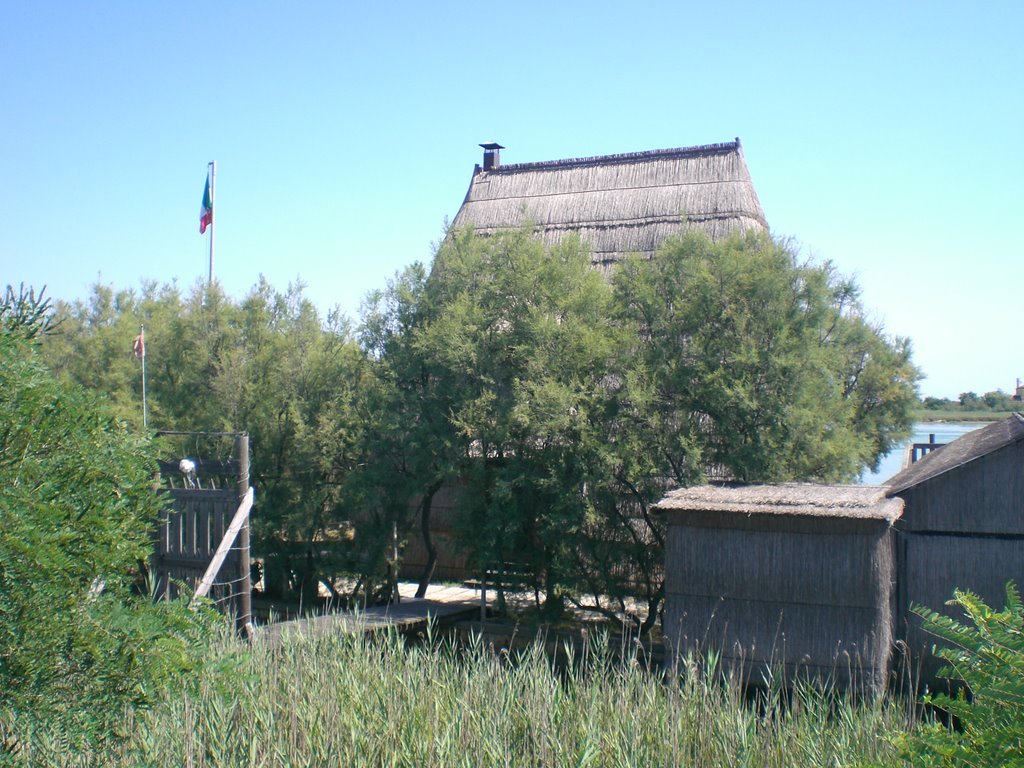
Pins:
x,y
756,367
499,368
743,364
996,401
76,514
412,443
987,656
564,410
267,365
969,401
518,340
92,345
562,407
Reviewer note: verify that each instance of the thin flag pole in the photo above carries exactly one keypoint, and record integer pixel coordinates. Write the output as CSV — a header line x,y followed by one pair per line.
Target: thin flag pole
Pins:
x,y
142,349
212,165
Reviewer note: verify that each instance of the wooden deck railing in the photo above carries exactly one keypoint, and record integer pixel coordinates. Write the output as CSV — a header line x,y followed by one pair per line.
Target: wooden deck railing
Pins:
x,y
920,450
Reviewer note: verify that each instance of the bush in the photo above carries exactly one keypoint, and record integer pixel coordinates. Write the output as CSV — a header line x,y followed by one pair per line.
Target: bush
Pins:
x,y
985,720
76,512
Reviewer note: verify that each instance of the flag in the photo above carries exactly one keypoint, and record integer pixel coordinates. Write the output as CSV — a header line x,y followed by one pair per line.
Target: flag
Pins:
x,y
206,212
139,345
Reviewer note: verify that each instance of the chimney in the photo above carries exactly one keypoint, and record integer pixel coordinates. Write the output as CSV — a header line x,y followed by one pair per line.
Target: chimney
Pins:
x,y
492,155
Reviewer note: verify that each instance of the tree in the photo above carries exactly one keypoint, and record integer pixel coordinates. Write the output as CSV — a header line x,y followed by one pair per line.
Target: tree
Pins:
x,y
268,365
77,511
755,367
563,408
566,411
516,341
997,400
295,384
969,401
745,365
92,344
412,446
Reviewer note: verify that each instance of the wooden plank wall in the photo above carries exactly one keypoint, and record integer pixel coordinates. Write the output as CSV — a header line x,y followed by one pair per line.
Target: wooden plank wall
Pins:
x,y
983,496
190,529
812,596
963,529
451,563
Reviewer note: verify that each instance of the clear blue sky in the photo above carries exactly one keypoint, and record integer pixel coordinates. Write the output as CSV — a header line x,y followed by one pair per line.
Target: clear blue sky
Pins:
x,y
885,137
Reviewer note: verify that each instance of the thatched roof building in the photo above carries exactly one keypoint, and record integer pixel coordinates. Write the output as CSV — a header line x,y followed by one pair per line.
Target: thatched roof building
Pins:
x,y
619,204
854,502
963,525
794,576
968,448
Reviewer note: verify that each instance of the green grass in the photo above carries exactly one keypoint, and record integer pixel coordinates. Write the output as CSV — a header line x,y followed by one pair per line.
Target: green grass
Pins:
x,y
353,701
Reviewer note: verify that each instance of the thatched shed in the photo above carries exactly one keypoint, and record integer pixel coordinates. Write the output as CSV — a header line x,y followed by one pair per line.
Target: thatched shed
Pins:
x,y
619,204
963,524
792,575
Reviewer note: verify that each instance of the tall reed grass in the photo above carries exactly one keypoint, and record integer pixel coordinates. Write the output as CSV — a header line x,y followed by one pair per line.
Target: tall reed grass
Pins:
x,y
353,700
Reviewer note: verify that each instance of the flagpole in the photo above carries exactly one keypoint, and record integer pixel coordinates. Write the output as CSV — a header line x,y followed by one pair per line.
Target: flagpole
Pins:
x,y
213,207
142,335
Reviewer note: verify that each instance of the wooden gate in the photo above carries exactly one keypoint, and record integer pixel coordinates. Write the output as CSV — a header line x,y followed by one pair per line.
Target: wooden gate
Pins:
x,y
202,540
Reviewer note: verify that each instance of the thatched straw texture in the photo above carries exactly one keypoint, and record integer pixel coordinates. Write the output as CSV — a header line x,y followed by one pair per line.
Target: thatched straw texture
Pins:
x,y
801,499
619,204
797,576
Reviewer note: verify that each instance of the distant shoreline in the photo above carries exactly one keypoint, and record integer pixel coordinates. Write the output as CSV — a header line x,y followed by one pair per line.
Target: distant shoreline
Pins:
x,y
927,416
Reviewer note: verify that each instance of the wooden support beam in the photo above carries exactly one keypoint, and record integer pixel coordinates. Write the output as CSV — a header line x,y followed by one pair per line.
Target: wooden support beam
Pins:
x,y
237,522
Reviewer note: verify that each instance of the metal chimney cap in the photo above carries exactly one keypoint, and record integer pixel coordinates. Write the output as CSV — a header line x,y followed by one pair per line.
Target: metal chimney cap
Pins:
x,y
492,146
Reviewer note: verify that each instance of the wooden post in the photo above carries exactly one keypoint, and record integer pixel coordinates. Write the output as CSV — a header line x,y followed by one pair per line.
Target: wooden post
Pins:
x,y
161,584
396,596
483,595
244,601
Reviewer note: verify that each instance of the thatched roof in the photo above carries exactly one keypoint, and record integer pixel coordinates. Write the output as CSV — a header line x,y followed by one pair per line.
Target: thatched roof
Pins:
x,y
861,502
964,449
619,204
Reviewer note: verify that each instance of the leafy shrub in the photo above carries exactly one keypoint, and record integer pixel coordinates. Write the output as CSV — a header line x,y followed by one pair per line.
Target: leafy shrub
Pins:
x,y
76,512
986,721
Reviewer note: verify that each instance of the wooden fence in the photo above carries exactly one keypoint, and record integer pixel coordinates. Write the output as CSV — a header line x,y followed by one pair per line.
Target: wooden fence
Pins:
x,y
202,540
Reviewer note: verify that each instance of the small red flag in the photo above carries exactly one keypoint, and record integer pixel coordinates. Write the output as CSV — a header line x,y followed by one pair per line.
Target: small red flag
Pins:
x,y
139,346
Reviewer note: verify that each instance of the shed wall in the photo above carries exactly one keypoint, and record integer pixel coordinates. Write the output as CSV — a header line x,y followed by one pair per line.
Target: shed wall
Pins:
x,y
451,562
983,496
937,565
817,600
963,529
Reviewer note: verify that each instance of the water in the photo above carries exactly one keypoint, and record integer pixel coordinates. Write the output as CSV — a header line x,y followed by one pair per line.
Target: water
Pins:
x,y
944,431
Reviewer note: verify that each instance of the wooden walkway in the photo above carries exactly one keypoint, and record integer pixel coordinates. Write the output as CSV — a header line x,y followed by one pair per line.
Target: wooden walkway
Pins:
x,y
442,604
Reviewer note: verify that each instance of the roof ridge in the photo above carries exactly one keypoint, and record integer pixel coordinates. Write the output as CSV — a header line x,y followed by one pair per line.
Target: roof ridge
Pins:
x,y
625,157
968,447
